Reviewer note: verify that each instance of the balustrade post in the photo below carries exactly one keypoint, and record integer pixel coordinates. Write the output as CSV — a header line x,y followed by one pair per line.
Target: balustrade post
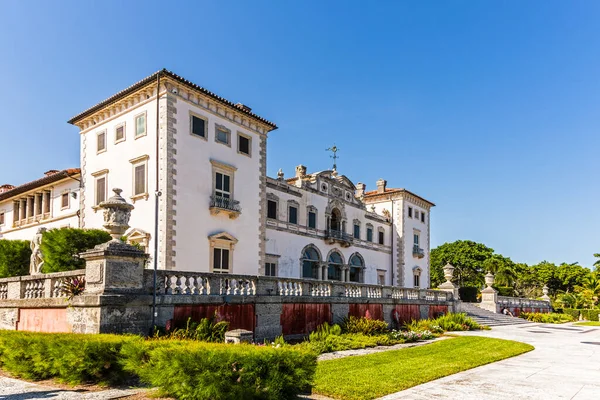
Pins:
x,y
48,287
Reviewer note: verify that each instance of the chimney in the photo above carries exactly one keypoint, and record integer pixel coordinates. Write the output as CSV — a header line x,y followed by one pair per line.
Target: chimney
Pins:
x,y
360,190
51,172
6,187
381,184
300,171
243,107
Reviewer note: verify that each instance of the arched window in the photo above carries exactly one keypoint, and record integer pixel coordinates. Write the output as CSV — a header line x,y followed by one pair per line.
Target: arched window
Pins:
x,y
334,268
417,276
310,263
357,265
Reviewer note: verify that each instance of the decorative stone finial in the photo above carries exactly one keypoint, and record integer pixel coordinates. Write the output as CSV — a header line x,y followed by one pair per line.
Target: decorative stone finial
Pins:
x,y
448,272
545,290
116,214
280,174
489,279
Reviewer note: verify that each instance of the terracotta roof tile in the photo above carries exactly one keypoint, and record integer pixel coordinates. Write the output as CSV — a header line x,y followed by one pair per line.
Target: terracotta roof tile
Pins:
x,y
39,182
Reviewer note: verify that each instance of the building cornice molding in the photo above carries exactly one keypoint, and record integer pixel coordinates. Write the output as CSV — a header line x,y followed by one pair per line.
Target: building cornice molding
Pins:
x,y
398,194
145,91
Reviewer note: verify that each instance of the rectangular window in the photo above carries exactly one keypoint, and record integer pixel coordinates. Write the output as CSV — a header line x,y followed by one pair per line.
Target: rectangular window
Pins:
x,y
422,217
369,234
312,220
222,135
292,215
139,179
220,261
2,218
417,281
271,209
417,214
356,231
101,142
222,185
381,278
416,239
64,200
244,144
409,212
100,190
381,237
198,126
140,125
270,269
120,133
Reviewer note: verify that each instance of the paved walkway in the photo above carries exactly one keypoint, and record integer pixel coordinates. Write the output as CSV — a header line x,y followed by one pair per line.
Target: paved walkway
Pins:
x,y
13,389
564,365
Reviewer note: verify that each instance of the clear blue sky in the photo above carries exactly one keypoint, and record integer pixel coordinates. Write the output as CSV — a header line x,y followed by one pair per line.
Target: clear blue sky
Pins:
x,y
488,109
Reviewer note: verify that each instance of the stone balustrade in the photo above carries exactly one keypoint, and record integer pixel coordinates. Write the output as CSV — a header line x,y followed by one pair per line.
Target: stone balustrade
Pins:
x,y
41,286
518,302
208,284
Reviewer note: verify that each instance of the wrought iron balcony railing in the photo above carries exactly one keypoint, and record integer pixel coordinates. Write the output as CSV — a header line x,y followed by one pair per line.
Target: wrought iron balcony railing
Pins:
x,y
418,252
338,236
225,204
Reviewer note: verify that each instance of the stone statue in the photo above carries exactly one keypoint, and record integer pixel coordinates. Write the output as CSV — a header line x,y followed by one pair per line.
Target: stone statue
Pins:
x,y
37,258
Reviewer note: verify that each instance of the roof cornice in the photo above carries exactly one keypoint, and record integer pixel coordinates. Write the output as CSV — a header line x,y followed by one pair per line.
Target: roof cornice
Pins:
x,y
150,80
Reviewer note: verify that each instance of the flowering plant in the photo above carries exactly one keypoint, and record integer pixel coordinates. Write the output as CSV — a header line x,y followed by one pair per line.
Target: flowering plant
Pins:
x,y
411,336
73,287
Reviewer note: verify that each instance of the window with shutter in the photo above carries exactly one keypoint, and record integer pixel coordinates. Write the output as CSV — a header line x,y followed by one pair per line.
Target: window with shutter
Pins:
x,y
101,142
100,190
140,125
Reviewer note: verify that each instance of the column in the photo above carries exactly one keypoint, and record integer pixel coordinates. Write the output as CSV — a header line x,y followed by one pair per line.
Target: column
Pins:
x,y
324,272
23,209
43,203
30,207
16,212
35,205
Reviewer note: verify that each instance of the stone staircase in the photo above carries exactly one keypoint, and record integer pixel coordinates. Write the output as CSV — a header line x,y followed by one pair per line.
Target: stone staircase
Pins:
x,y
484,317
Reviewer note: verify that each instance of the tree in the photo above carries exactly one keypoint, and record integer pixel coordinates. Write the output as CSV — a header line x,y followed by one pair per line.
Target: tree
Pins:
x,y
14,257
466,256
571,275
503,269
597,263
61,247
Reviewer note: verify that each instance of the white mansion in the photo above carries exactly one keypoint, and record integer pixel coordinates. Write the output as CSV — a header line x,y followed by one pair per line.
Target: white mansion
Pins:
x,y
204,158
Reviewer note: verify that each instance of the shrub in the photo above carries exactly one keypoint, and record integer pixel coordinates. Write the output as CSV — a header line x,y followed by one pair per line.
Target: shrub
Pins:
x,y
411,336
207,330
349,341
448,322
323,331
572,312
195,370
507,291
547,318
364,325
14,257
70,358
590,314
61,247
468,294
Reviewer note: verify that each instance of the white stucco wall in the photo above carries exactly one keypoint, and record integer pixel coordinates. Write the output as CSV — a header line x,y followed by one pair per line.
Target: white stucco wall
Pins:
x,y
194,186
66,217
287,240
120,170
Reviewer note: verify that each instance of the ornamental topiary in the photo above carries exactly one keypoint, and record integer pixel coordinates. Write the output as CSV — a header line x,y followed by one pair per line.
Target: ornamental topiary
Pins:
x,y
14,257
61,247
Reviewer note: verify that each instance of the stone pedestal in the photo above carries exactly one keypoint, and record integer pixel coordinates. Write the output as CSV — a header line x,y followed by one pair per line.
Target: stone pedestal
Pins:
x,y
238,336
448,286
114,267
489,295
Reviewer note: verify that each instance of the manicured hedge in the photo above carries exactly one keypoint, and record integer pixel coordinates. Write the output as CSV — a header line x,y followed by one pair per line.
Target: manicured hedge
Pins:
x,y
468,293
70,358
184,369
587,314
14,257
197,370
60,247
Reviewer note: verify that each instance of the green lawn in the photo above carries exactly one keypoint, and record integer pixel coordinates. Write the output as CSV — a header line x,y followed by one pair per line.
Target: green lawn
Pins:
x,y
588,323
376,375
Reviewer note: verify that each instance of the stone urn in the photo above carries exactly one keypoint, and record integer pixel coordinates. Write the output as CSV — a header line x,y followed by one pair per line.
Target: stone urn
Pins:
x,y
489,279
116,214
448,272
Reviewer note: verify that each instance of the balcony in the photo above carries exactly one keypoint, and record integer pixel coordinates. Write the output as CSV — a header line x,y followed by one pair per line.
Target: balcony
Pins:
x,y
418,252
220,204
333,236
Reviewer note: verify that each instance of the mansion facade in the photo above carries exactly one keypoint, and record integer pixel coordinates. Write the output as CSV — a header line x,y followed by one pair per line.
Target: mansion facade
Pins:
x,y
201,159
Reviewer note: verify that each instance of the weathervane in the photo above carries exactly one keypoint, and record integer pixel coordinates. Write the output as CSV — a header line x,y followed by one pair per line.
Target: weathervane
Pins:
x,y
334,150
